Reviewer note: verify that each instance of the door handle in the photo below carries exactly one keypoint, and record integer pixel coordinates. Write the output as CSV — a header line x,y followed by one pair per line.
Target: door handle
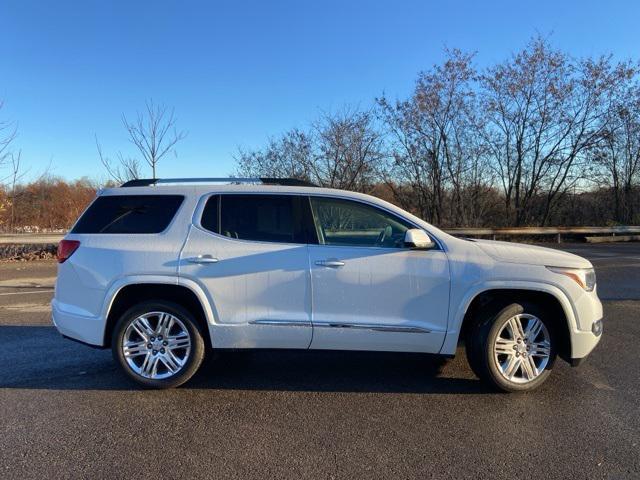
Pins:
x,y
203,259
332,262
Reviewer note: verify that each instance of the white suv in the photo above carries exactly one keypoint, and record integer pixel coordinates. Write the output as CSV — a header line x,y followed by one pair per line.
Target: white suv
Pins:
x,y
162,271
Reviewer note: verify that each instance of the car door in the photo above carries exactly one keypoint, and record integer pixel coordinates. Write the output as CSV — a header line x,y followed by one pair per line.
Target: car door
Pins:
x,y
249,254
369,291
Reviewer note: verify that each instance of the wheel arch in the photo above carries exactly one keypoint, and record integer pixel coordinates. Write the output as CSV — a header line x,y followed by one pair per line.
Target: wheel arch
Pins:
x,y
545,295
130,291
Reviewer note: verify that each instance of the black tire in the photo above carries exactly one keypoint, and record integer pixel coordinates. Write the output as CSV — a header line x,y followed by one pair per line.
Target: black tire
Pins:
x,y
481,337
195,356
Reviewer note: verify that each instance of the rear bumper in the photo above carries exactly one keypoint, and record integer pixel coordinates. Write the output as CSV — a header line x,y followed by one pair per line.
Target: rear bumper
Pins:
x,y
76,325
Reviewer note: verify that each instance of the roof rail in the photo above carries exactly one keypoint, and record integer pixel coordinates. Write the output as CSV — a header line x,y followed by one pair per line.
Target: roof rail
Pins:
x,y
289,182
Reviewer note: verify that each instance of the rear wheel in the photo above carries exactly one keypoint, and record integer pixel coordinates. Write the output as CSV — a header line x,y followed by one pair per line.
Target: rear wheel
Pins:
x,y
158,344
512,348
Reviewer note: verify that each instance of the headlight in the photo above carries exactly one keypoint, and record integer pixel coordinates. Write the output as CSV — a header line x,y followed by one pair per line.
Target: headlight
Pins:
x,y
585,277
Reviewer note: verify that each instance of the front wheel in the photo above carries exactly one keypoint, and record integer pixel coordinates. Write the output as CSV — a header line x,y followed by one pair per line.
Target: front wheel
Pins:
x,y
158,344
514,348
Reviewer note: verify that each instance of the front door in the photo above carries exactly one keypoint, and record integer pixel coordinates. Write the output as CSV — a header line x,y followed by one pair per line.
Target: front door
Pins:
x,y
369,291
249,253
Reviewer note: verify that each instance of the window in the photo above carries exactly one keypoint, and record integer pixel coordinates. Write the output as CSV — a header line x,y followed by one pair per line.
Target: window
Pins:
x,y
211,214
265,218
347,223
129,214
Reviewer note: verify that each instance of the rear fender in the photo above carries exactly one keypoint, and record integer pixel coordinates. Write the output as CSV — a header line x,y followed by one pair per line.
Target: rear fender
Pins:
x,y
114,289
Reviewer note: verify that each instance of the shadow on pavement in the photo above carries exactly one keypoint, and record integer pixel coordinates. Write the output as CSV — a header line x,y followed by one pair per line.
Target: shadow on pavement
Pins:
x,y
37,357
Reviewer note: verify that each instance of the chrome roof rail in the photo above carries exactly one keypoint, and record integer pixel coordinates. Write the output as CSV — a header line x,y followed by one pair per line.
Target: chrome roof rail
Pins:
x,y
289,182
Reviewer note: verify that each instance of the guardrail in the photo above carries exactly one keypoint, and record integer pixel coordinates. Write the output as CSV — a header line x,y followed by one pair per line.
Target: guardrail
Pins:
x,y
533,231
46,238
30,238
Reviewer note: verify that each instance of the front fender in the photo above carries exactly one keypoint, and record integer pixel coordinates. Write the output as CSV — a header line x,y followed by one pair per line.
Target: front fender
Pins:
x,y
458,312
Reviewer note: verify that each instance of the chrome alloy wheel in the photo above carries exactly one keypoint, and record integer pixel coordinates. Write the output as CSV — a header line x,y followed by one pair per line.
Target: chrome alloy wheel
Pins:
x,y
522,348
156,345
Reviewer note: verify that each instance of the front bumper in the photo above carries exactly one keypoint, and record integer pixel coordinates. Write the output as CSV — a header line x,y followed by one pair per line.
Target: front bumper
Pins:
x,y
583,342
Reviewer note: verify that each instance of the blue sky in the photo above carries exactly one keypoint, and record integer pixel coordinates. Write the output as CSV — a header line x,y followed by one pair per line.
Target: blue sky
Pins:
x,y
238,72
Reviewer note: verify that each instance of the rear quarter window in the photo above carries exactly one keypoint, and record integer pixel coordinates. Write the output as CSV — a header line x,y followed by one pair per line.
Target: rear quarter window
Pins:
x,y
129,214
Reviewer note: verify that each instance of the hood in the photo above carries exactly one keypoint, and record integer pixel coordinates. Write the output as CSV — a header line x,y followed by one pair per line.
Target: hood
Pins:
x,y
531,254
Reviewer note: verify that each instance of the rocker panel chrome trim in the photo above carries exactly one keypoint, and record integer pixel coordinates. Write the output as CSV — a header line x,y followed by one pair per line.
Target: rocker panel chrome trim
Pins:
x,y
282,323
373,326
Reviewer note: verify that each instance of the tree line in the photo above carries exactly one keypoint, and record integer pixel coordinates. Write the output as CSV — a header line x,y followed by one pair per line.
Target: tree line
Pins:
x,y
540,138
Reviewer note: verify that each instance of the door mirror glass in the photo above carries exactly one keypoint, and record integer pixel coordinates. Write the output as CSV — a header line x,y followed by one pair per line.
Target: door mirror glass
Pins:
x,y
417,238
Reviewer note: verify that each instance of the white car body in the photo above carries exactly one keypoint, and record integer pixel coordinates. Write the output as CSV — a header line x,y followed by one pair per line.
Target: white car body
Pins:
x,y
279,295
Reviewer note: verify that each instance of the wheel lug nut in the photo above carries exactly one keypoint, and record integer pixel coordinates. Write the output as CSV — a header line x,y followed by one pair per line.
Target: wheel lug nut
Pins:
x,y
515,347
149,345
153,339
519,340
165,343
517,354
155,352
162,350
159,337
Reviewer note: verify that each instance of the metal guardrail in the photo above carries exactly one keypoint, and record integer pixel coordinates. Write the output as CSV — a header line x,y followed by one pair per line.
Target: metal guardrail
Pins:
x,y
532,231
30,238
46,238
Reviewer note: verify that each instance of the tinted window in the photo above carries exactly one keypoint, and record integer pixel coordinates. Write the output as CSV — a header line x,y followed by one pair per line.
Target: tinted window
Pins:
x,y
342,222
211,214
266,218
129,214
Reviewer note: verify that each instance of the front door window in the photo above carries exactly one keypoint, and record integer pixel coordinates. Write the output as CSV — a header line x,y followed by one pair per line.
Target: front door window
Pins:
x,y
352,224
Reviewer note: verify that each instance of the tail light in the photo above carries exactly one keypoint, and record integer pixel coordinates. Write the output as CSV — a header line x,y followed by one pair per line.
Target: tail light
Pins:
x,y
66,249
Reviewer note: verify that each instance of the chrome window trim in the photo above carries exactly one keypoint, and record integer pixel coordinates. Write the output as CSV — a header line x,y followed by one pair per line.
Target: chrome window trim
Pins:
x,y
197,215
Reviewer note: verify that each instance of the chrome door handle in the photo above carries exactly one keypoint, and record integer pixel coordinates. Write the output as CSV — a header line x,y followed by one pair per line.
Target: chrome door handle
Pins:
x,y
203,259
330,263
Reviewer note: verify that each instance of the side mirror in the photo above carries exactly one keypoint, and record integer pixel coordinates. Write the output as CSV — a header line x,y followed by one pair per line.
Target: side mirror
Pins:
x,y
416,238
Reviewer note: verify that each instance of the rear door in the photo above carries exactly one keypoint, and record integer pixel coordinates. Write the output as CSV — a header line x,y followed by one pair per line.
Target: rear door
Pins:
x,y
249,253
369,291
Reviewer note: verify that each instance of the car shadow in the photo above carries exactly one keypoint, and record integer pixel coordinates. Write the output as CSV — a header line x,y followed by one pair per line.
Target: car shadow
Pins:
x,y
37,357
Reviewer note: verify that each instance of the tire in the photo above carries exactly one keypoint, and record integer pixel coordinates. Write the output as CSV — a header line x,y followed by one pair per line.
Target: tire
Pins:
x,y
508,362
152,359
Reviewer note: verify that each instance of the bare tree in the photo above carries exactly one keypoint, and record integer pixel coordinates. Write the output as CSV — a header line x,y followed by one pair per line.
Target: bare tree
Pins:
x,y
289,156
348,150
126,168
619,152
16,175
433,148
341,150
544,113
154,133
8,133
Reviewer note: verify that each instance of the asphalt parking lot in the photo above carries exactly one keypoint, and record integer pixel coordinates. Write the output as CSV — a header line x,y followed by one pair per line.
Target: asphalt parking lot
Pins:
x,y
66,411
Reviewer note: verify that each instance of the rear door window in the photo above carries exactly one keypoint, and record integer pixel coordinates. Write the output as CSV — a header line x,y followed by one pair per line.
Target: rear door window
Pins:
x,y
211,214
131,214
263,218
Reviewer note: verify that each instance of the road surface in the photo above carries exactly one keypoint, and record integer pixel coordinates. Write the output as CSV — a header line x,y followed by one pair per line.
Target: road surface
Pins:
x,y
67,411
